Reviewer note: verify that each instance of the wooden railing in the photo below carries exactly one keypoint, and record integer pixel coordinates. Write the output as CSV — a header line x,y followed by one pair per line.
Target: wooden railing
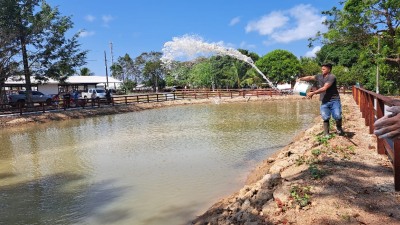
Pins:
x,y
62,104
372,107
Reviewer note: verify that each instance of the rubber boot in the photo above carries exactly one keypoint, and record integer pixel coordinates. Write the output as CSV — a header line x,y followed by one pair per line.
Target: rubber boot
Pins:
x,y
339,128
326,128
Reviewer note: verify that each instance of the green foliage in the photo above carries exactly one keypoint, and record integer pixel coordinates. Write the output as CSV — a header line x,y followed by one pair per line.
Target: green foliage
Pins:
x,y
315,172
128,85
309,66
280,66
323,139
365,35
301,195
84,71
123,69
316,152
202,75
38,33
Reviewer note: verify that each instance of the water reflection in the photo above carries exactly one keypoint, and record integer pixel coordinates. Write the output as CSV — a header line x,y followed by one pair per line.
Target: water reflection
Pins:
x,y
160,166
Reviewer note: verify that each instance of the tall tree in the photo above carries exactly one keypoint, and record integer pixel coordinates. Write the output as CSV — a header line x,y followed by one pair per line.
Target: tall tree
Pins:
x,y
152,69
373,26
39,35
279,65
123,69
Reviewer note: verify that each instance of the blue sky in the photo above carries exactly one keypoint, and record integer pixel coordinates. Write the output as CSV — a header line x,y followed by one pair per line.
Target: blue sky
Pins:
x,y
135,27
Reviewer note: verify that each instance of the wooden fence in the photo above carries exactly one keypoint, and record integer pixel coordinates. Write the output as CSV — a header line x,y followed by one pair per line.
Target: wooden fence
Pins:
x,y
372,107
36,107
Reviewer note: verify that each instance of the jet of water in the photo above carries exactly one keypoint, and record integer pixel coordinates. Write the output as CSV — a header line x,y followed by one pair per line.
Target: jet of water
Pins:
x,y
190,47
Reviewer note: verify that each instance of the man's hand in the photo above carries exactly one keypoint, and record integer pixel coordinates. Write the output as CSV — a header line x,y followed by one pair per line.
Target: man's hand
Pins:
x,y
310,94
389,125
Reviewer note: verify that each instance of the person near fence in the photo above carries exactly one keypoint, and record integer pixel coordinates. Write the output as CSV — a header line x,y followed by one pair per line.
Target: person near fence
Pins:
x,y
67,99
329,97
76,97
93,97
108,96
389,125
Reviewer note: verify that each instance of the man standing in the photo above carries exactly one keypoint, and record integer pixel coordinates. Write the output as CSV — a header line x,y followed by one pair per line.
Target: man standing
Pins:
x,y
329,97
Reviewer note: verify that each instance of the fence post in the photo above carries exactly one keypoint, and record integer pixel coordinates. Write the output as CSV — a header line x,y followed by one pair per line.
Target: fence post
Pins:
x,y
379,113
371,113
362,104
396,164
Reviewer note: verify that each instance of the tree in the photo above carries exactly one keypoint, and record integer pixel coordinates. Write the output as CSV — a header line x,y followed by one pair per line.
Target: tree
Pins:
x,y
202,74
179,74
153,71
279,65
8,66
309,66
123,69
84,71
373,27
38,32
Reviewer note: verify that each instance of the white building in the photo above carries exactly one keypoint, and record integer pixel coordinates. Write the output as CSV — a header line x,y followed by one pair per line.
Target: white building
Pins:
x,y
80,83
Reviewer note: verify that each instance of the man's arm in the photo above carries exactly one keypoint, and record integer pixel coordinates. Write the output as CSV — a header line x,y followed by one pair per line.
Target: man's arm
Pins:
x,y
318,91
307,78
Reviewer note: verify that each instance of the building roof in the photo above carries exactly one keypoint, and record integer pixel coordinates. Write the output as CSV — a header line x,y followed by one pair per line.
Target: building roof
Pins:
x,y
70,80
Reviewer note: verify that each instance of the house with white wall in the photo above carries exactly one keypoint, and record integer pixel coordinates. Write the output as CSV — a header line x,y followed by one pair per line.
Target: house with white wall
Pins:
x,y
80,83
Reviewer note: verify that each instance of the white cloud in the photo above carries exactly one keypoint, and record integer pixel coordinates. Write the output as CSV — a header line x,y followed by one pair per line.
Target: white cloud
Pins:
x,y
85,33
297,23
90,18
312,53
107,18
234,21
267,24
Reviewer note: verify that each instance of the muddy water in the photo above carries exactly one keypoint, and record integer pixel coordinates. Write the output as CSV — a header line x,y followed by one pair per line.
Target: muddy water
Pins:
x,y
161,166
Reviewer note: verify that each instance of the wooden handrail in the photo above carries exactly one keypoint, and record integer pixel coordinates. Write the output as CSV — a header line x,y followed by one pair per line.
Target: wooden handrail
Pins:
x,y
372,107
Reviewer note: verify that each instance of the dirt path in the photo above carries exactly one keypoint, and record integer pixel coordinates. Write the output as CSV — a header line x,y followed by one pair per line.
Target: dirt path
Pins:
x,y
314,180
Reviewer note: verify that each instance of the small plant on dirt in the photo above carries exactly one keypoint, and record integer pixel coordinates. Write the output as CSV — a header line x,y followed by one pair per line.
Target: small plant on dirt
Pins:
x,y
323,139
315,172
307,160
316,152
344,152
301,195
300,161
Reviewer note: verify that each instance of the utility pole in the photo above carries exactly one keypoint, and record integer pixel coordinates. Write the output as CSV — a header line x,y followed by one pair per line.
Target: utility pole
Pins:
x,y
111,52
105,62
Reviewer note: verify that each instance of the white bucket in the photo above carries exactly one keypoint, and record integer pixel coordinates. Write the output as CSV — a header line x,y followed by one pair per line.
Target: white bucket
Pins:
x,y
301,88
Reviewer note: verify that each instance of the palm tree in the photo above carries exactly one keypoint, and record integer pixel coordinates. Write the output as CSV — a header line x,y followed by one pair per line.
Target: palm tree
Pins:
x,y
84,71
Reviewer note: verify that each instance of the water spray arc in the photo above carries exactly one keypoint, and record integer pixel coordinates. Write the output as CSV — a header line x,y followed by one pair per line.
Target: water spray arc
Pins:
x,y
190,47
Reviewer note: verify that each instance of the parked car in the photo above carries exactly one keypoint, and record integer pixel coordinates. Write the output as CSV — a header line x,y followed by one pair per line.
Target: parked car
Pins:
x,y
99,93
20,98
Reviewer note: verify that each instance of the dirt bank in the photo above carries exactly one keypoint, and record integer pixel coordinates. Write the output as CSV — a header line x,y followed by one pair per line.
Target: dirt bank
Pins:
x,y
315,180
